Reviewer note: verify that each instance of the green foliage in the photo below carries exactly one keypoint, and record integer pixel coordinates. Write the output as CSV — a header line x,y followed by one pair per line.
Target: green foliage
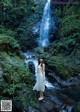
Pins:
x,y
9,40
14,66
14,20
17,79
65,66
29,98
71,10
70,26
12,88
12,12
8,44
6,31
60,65
25,35
6,2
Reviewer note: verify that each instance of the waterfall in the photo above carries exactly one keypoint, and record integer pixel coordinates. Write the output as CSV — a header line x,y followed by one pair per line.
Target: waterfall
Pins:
x,y
45,26
43,40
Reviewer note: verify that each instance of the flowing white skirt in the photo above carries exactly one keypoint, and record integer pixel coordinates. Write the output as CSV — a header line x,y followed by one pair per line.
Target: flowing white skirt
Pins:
x,y
40,82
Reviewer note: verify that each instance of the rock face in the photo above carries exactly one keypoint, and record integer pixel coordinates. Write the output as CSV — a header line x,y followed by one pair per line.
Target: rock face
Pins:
x,y
56,101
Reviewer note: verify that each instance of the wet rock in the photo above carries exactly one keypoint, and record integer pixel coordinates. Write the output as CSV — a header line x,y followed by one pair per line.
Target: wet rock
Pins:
x,y
17,106
55,101
72,82
73,93
31,66
31,109
47,104
74,79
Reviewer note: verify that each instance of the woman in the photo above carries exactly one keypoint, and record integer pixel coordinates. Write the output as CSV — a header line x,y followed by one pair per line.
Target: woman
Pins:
x,y
40,82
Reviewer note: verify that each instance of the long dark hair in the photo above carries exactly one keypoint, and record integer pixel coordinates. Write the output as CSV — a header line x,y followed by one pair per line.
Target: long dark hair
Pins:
x,y
41,62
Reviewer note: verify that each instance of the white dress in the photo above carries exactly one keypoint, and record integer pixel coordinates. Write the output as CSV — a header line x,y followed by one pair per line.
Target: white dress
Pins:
x,y
40,81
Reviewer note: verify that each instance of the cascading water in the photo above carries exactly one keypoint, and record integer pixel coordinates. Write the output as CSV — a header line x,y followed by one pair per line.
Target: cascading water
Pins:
x,y
45,26
43,39
35,62
30,57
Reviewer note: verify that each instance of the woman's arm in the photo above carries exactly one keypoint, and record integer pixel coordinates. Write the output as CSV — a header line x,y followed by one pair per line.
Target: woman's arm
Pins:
x,y
44,71
43,68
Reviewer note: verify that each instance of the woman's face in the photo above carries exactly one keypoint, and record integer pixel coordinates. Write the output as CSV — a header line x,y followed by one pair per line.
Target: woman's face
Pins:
x,y
41,60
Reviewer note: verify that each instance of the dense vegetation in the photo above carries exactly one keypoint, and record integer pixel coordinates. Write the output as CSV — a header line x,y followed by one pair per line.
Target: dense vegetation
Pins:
x,y
15,76
18,20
